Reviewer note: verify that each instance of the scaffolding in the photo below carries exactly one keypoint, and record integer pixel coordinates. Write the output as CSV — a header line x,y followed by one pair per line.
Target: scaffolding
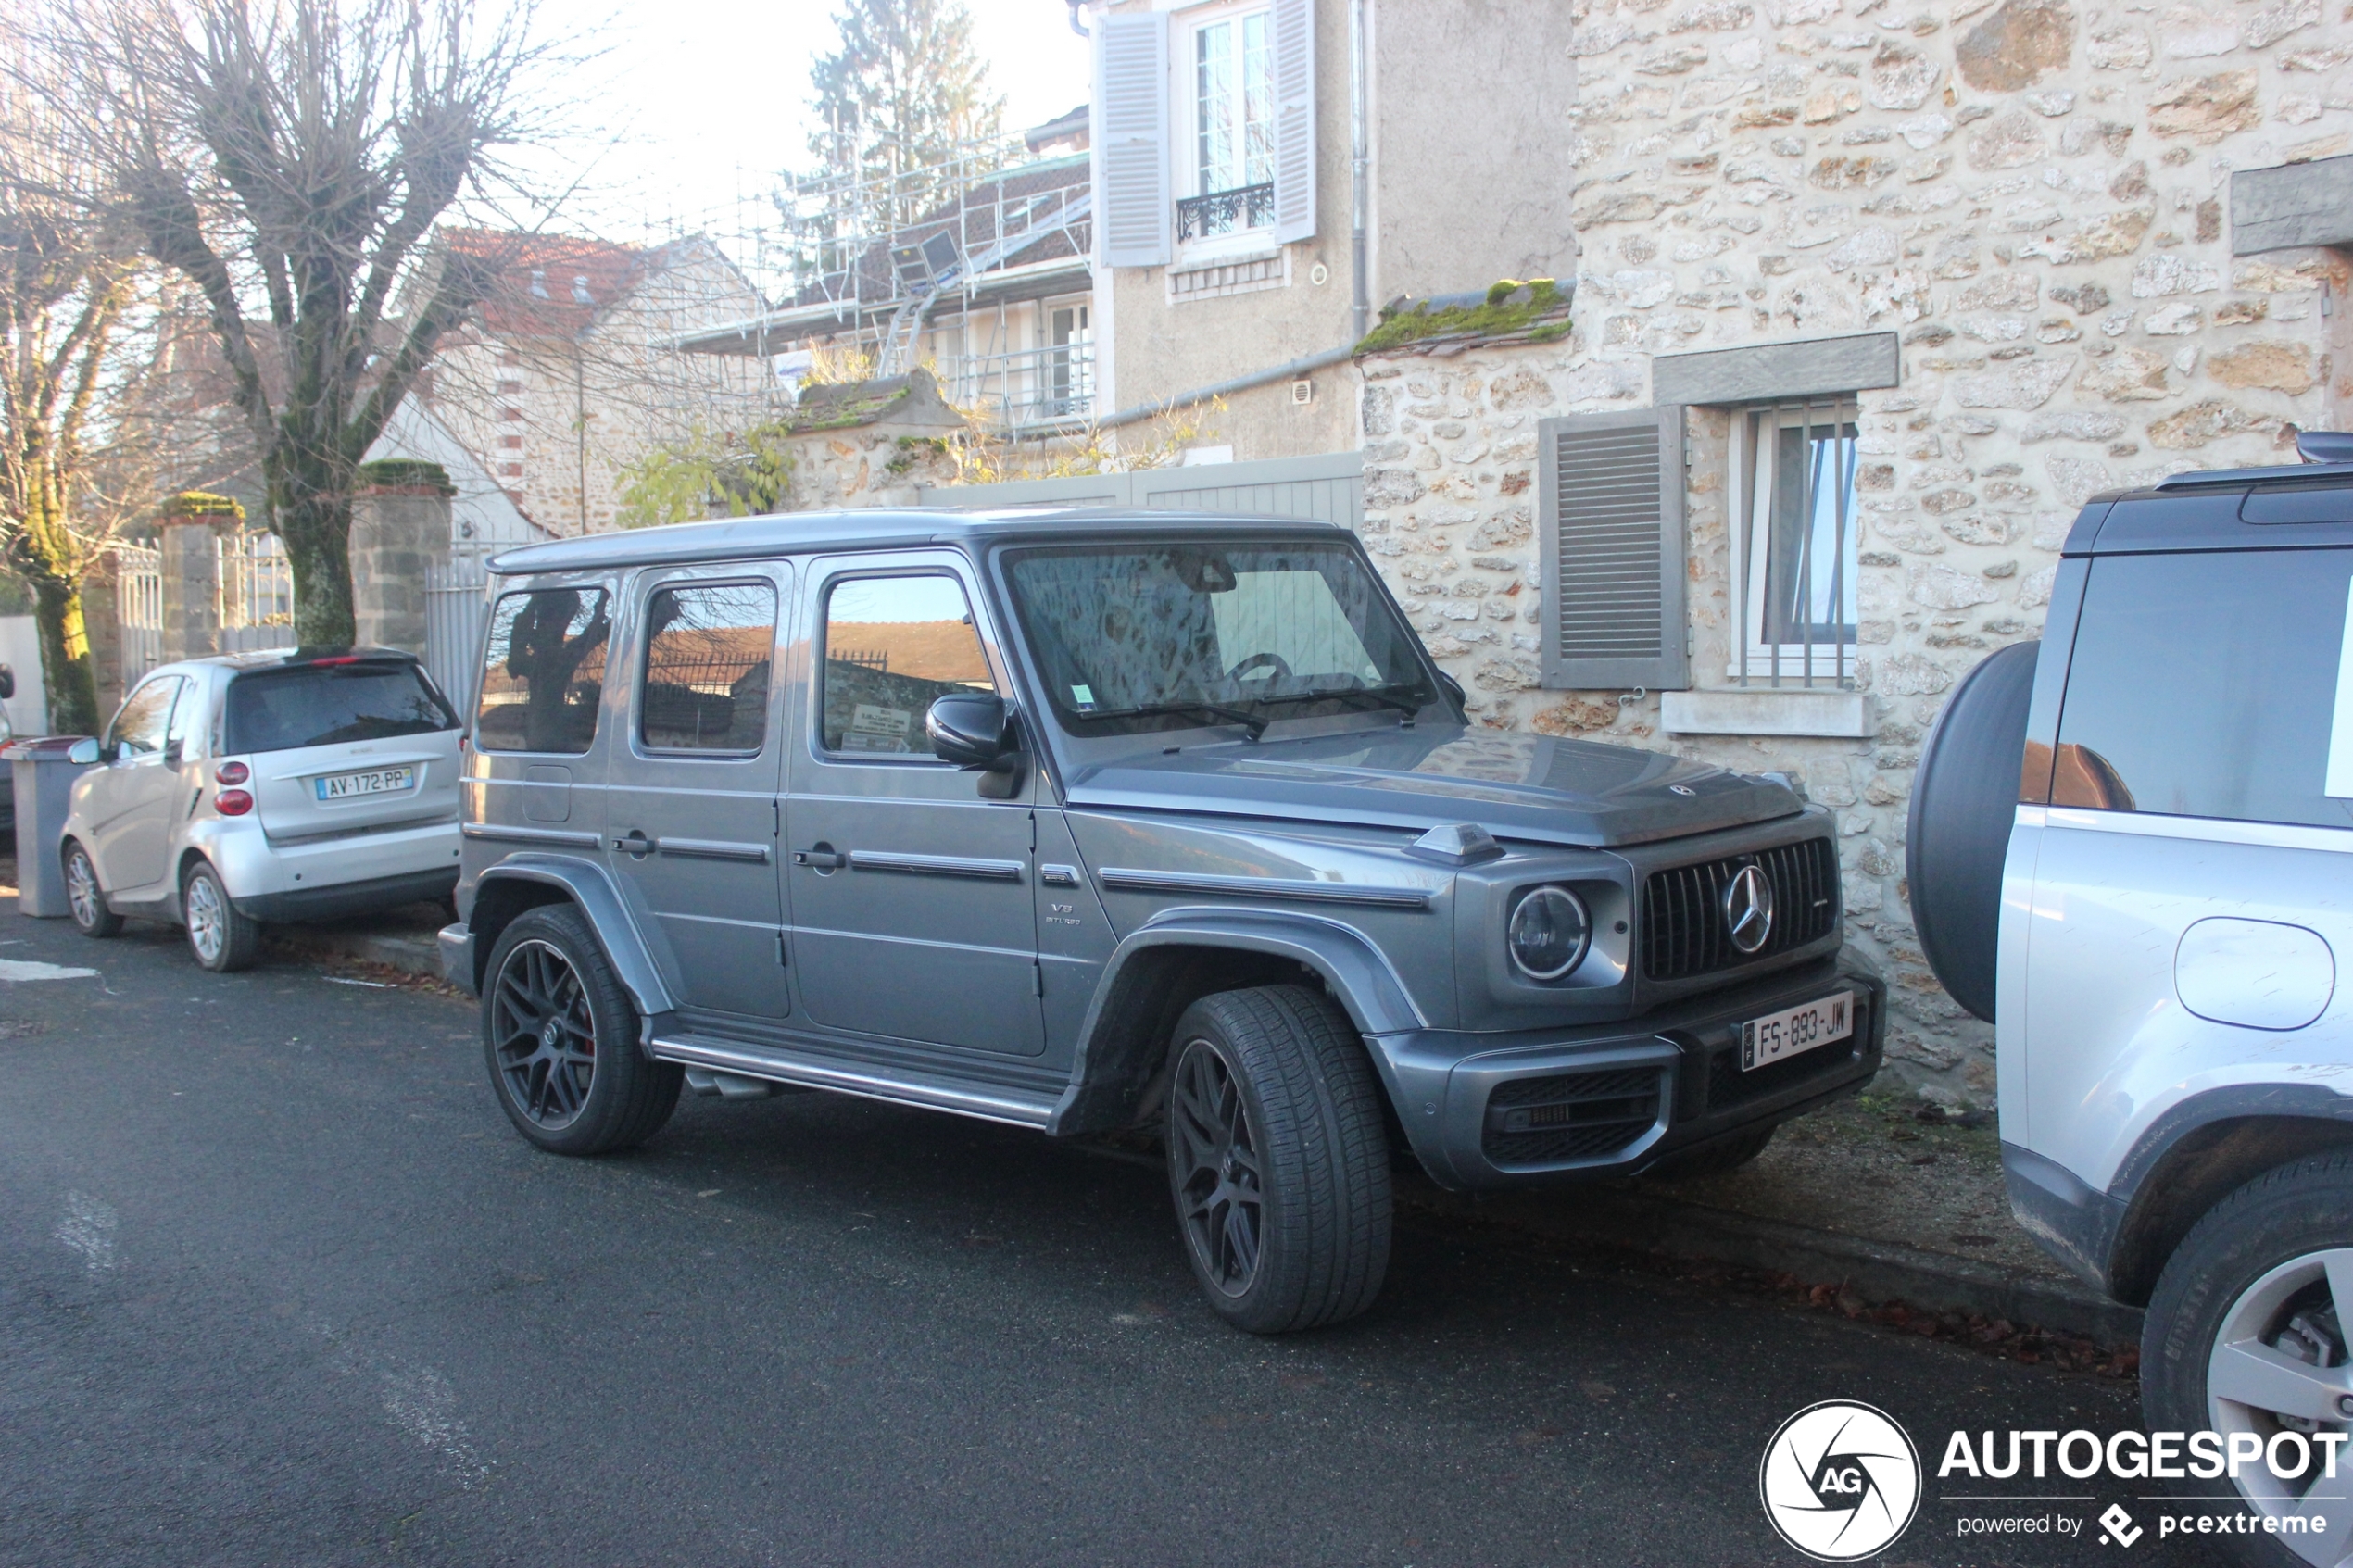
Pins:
x,y
873,265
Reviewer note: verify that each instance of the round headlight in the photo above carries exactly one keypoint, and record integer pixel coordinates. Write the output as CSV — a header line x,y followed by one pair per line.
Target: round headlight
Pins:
x,y
1549,933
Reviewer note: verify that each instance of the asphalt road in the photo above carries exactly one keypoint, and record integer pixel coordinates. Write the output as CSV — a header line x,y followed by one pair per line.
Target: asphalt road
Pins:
x,y
278,1285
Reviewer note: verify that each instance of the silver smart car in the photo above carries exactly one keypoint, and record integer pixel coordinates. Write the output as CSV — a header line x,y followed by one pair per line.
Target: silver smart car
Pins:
x,y
256,788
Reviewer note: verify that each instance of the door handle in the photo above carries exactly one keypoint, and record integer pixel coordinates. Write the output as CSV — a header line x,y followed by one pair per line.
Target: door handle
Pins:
x,y
821,857
636,845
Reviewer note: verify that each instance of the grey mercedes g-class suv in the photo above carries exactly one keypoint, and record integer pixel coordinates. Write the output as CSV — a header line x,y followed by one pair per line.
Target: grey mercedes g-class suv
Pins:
x,y
1092,821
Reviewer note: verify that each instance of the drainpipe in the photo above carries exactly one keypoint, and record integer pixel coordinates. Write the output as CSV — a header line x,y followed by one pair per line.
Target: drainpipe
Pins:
x,y
1360,304
1076,25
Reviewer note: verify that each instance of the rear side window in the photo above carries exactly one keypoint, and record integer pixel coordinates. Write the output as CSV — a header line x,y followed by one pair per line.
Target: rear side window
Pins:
x,y
329,705
544,671
2207,685
708,648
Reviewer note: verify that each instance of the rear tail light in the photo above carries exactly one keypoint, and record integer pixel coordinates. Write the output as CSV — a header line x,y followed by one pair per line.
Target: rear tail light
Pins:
x,y
233,802
234,772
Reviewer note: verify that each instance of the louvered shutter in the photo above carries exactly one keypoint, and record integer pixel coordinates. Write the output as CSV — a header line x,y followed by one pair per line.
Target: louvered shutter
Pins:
x,y
1610,494
1294,120
1131,139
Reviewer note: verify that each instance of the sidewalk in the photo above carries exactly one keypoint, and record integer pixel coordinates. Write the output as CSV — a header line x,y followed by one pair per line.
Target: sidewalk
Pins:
x,y
1861,1207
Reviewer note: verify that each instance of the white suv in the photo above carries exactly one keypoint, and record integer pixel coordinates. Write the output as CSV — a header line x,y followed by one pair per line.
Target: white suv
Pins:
x,y
262,788
2131,850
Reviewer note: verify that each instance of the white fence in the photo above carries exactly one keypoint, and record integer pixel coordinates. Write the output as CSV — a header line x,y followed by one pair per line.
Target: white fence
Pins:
x,y
138,597
457,609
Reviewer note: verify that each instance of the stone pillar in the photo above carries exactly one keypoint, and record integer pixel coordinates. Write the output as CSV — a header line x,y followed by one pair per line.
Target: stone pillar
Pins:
x,y
398,533
191,557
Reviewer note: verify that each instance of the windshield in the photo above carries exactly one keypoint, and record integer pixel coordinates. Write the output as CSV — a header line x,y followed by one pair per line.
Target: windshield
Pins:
x,y
326,705
1177,636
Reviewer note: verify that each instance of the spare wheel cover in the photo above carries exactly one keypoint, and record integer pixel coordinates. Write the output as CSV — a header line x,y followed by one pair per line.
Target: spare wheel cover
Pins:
x,y
1964,801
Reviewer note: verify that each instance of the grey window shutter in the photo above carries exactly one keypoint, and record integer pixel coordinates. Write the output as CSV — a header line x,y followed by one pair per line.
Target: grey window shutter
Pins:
x,y
1131,139
1294,120
1610,497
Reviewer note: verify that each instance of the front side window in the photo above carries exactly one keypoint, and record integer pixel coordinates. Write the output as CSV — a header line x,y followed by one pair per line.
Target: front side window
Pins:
x,y
892,645
708,651
1233,99
2211,685
544,671
138,727
1795,481
1135,640
328,704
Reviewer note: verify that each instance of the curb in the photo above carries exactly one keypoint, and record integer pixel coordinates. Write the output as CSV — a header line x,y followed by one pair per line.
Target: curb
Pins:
x,y
409,955
1879,1272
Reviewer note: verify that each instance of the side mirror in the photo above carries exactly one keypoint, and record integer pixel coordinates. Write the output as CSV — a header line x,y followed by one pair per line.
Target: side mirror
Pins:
x,y
173,751
7,682
970,729
83,752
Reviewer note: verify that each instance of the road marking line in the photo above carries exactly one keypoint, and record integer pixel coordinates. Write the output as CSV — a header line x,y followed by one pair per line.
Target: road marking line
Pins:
x,y
88,1228
32,969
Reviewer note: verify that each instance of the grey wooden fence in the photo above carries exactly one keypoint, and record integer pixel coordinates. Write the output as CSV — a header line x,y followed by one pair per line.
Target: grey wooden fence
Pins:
x,y
1329,485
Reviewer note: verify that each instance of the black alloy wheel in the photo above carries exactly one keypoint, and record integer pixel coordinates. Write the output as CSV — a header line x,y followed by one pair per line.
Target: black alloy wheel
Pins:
x,y
1221,1194
559,1035
543,1035
1278,1154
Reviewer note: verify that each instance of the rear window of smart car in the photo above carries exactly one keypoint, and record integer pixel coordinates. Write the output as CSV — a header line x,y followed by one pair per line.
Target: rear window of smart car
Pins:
x,y
329,704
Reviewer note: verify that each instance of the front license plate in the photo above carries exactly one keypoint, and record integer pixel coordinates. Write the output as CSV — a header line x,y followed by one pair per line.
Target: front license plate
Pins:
x,y
379,781
1786,1034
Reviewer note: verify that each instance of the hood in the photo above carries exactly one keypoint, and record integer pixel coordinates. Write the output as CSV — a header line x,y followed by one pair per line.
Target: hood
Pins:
x,y
1534,788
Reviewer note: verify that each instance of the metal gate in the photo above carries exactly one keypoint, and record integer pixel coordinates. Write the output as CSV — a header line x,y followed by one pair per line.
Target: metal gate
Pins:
x,y
457,608
1329,485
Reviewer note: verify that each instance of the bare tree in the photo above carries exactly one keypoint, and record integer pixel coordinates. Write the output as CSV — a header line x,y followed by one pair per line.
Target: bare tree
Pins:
x,y
71,383
290,158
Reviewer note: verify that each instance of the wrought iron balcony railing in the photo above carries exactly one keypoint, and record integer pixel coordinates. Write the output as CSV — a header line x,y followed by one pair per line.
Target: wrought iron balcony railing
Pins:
x,y
1225,212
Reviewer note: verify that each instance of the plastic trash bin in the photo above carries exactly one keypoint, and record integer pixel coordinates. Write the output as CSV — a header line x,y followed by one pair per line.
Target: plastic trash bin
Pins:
x,y
43,774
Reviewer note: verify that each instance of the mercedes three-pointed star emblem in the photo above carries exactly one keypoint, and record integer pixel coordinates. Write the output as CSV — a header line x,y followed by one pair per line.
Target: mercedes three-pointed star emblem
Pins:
x,y
1748,909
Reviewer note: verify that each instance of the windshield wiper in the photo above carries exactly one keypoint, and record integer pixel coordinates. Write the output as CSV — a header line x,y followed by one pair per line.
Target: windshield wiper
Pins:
x,y
1253,723
1383,697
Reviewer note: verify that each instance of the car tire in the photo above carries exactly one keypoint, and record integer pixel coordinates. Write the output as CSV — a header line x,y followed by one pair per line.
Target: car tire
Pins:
x,y
560,1037
85,901
2249,1286
222,940
1278,1159
1964,801
1730,1154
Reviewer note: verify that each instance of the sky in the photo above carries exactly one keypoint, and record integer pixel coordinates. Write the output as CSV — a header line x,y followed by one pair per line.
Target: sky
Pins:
x,y
695,105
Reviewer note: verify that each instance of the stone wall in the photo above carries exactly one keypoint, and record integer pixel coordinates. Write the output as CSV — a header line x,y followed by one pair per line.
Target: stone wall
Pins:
x,y
2035,198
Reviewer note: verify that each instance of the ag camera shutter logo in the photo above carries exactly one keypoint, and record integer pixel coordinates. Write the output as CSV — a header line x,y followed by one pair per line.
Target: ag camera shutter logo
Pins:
x,y
1840,1481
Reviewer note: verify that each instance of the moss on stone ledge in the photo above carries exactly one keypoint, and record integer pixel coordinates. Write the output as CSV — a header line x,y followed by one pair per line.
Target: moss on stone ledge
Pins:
x,y
1509,306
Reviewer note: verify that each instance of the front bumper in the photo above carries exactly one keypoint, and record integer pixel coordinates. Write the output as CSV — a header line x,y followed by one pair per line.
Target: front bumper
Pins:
x,y
1654,1087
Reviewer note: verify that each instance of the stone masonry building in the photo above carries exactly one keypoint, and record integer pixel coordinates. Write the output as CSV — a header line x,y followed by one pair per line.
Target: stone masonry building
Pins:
x,y
1872,297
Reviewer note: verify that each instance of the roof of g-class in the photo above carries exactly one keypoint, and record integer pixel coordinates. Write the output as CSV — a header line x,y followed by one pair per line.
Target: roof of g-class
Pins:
x,y
2269,508
803,533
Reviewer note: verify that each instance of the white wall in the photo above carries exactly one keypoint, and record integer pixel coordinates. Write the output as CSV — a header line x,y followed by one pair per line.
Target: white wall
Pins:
x,y
20,650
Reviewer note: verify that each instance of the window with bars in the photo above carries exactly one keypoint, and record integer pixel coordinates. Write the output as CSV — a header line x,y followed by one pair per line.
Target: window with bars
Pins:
x,y
1793,531
1233,103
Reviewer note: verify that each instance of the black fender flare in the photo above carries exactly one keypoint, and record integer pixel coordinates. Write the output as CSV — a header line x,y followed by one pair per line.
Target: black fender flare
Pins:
x,y
1117,1049
591,887
1958,834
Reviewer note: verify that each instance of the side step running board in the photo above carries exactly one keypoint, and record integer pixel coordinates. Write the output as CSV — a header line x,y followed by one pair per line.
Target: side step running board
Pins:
x,y
986,1104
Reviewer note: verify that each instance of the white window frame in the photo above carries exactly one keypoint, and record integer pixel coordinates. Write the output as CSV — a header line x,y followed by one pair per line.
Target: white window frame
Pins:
x,y
1749,490
1185,150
